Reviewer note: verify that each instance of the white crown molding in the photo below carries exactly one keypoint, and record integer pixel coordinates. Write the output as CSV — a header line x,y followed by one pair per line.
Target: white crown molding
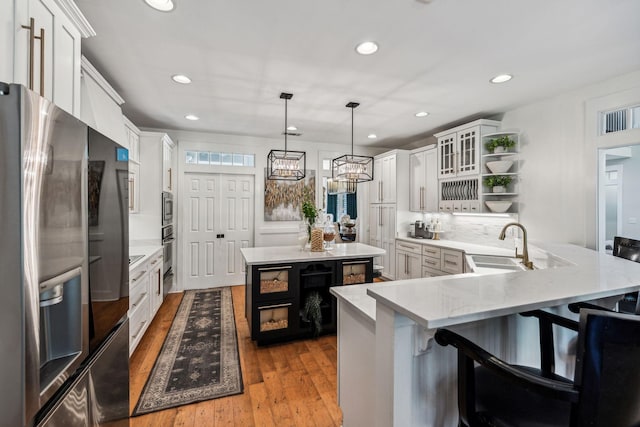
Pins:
x,y
90,70
75,15
130,124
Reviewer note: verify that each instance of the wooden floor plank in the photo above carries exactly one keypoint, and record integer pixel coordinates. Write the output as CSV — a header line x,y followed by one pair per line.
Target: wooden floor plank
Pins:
x,y
278,400
261,406
204,414
290,384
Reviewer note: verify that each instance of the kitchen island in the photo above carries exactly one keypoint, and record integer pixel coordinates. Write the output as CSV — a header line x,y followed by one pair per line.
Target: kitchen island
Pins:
x,y
282,281
403,378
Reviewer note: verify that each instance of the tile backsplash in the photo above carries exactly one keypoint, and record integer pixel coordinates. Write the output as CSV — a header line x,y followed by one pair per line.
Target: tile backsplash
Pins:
x,y
480,229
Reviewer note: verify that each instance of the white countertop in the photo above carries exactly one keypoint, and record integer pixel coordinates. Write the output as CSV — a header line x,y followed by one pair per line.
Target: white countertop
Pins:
x,y
278,254
145,251
468,248
444,301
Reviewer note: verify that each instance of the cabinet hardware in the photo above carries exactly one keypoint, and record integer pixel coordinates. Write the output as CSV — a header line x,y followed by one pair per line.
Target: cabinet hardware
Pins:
x,y
131,194
286,267
135,304
356,262
169,178
268,307
159,282
139,330
451,262
41,60
32,39
139,276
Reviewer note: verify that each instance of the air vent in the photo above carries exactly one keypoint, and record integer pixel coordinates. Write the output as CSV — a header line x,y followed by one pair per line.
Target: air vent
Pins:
x,y
614,121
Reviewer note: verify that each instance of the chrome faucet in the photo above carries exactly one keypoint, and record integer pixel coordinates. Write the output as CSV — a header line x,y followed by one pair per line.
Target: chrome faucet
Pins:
x,y
525,250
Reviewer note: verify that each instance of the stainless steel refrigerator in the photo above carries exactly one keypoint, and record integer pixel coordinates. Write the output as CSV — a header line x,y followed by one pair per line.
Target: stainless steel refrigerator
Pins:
x,y
49,375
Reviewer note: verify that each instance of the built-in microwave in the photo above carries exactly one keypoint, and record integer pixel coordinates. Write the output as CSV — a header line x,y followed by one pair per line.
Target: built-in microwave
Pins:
x,y
167,208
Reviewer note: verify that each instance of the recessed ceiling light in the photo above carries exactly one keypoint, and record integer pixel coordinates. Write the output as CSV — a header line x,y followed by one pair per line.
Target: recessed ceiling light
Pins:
x,y
501,78
292,128
161,5
422,114
191,117
181,78
367,48
372,136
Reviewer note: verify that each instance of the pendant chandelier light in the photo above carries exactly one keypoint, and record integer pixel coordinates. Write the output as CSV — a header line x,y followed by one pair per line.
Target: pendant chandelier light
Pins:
x,y
351,167
341,186
286,165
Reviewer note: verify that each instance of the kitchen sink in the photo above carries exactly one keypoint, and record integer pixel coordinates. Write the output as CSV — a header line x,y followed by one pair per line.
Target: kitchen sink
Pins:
x,y
497,262
134,258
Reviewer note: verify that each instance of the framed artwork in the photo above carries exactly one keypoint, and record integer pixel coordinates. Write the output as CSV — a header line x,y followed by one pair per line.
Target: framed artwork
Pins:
x,y
283,199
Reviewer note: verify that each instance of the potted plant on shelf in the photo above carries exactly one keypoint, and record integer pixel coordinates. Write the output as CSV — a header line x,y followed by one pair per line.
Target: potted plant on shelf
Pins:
x,y
500,144
497,183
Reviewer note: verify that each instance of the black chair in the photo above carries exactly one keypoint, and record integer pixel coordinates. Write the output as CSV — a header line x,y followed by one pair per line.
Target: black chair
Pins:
x,y
623,248
604,393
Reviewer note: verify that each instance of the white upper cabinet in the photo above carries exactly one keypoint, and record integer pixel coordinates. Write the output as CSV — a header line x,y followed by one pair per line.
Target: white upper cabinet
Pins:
x,y
133,138
168,168
459,148
46,49
423,180
384,185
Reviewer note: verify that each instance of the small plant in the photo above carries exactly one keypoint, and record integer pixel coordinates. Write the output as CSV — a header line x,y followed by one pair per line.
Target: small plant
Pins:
x,y
309,211
313,313
497,181
503,141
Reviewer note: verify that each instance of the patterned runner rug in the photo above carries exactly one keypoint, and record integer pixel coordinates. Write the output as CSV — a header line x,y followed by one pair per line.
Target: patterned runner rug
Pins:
x,y
199,358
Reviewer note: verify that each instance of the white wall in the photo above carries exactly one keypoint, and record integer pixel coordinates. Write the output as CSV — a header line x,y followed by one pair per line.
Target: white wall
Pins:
x,y
558,175
267,233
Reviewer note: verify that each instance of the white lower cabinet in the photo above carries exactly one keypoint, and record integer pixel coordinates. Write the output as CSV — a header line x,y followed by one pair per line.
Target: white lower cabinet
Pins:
x,y
145,296
382,234
155,283
415,260
408,260
452,261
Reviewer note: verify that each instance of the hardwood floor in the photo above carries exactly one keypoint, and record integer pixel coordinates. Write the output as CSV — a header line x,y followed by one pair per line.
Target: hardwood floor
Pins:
x,y
291,384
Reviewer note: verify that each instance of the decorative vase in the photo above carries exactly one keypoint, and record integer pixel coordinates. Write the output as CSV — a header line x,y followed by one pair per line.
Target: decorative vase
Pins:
x,y
317,240
498,189
499,149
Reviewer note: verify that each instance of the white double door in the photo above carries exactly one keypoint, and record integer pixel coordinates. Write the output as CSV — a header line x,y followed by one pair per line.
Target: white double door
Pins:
x,y
218,212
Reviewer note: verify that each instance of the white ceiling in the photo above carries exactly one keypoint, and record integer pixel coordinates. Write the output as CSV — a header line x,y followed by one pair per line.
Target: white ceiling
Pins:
x,y
436,56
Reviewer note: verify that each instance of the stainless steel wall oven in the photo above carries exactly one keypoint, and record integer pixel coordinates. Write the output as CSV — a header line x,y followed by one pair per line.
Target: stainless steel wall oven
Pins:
x,y
169,244
167,208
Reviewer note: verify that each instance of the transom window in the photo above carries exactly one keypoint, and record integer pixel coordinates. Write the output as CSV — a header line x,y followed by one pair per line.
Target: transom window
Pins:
x,y
216,158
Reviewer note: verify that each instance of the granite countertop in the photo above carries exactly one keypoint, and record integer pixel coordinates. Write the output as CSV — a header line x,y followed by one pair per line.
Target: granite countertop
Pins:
x,y
279,254
444,301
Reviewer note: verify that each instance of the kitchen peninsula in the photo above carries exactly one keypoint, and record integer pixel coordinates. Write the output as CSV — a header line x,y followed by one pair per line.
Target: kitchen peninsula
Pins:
x,y
401,377
282,281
